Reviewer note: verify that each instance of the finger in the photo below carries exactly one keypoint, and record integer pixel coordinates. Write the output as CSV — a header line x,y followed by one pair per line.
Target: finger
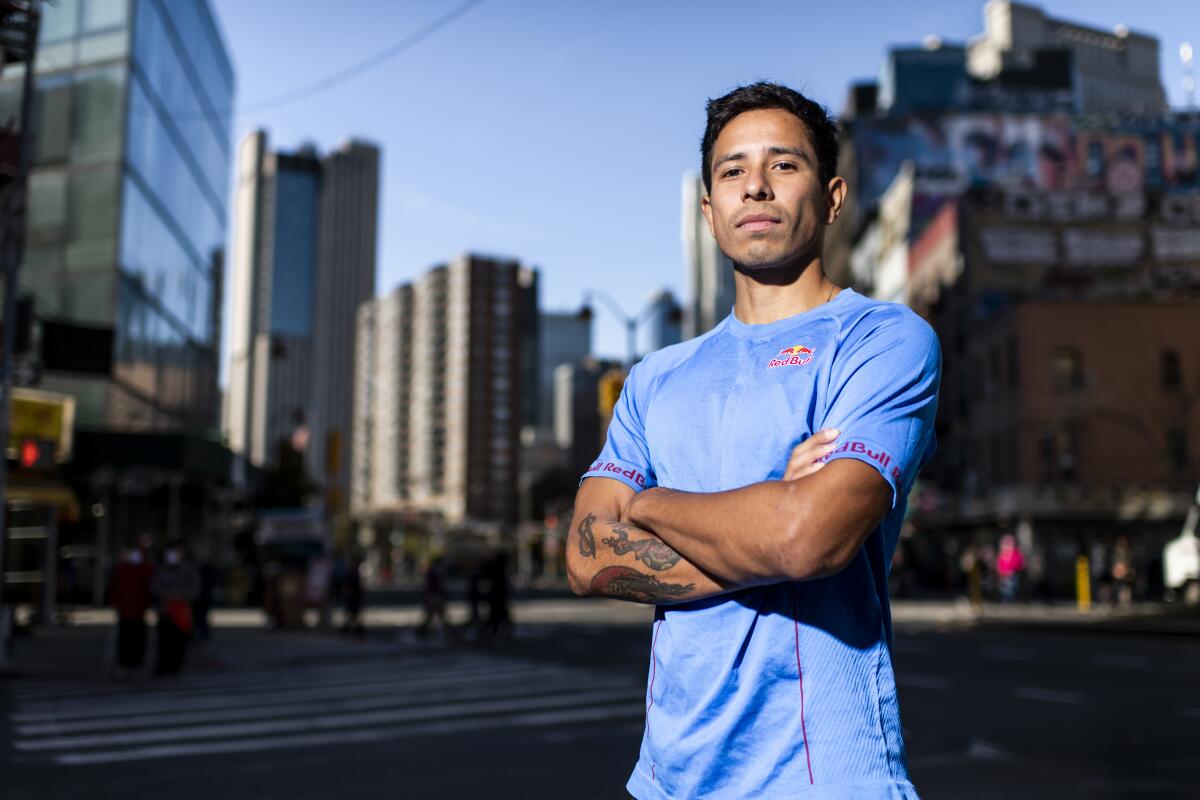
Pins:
x,y
826,435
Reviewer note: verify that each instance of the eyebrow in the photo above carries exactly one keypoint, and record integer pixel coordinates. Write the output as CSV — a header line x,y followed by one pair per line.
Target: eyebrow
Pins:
x,y
774,150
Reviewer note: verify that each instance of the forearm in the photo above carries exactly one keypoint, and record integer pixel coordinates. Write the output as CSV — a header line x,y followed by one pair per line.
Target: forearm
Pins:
x,y
612,559
743,535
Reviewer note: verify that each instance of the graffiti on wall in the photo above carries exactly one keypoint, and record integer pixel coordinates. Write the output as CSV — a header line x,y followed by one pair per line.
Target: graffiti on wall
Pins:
x,y
1052,152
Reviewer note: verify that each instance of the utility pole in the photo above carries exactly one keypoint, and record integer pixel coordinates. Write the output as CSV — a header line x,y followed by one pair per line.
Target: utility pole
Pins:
x,y
18,43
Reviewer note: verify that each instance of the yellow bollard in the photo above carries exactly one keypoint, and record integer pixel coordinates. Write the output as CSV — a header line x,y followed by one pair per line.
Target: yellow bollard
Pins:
x,y
1083,584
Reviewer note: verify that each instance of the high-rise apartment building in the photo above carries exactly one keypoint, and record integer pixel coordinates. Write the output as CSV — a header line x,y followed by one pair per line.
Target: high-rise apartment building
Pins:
x,y
710,272
304,261
438,394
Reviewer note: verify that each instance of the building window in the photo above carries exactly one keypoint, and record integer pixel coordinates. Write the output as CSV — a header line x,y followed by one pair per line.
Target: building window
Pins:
x,y
1171,369
1060,453
1177,454
1067,369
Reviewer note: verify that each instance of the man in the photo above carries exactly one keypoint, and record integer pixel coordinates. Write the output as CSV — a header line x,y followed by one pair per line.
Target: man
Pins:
x,y
770,671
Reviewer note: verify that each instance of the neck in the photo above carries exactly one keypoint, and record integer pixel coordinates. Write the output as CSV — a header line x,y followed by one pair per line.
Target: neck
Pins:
x,y
767,295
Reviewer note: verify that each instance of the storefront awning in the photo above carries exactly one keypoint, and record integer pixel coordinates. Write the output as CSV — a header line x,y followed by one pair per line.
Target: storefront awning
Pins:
x,y
49,494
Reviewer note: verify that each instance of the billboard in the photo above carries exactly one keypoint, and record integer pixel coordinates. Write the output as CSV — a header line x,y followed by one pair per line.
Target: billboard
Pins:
x,y
1050,152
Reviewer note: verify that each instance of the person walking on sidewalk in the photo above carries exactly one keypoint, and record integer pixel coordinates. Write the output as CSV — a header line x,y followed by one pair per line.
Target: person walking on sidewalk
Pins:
x,y
1010,565
753,485
175,586
129,595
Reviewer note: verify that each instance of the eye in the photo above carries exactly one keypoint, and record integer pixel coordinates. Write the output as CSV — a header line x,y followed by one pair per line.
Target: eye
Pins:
x,y
785,165
732,172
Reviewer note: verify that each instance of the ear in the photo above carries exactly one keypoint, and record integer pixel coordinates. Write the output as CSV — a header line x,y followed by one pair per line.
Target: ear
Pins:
x,y
835,195
706,210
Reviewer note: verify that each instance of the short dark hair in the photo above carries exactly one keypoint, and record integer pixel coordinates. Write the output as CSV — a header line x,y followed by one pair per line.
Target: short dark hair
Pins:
x,y
822,130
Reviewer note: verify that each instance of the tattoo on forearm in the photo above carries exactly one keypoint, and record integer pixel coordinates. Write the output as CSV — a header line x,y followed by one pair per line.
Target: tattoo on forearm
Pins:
x,y
654,553
587,539
626,583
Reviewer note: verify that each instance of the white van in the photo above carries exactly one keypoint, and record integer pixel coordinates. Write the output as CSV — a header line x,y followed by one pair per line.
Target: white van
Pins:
x,y
1181,559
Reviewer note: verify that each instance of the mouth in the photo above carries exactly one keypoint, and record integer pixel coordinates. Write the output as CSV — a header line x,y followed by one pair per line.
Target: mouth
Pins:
x,y
758,222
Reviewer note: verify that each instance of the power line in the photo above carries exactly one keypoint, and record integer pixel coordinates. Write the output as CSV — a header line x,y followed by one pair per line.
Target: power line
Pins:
x,y
353,71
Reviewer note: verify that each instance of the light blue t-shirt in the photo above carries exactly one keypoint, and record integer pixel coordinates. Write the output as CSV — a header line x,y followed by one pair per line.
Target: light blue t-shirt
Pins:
x,y
785,690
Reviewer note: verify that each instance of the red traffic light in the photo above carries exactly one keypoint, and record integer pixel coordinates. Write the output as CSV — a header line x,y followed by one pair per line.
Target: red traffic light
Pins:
x,y
30,453
35,454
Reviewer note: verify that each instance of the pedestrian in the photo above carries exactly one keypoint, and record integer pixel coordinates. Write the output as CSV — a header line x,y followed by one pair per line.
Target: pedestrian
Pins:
x,y
129,595
499,619
475,596
1123,573
1010,564
175,587
352,597
209,578
433,598
789,435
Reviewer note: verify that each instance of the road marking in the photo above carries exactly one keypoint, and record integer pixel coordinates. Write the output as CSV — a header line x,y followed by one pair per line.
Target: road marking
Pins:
x,y
284,679
271,710
1047,695
922,682
532,720
982,749
1119,660
175,703
327,721
1009,653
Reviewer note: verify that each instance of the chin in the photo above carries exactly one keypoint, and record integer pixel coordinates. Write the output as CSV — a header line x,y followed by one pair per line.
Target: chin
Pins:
x,y
756,259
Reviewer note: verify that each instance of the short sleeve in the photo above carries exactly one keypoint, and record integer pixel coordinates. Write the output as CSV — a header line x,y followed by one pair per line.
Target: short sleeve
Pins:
x,y
626,456
883,395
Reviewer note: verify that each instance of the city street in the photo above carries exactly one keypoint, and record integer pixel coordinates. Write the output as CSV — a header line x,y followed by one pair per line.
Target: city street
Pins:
x,y
995,711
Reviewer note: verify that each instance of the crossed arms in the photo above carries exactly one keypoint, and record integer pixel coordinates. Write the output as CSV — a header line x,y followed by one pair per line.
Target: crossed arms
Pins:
x,y
663,546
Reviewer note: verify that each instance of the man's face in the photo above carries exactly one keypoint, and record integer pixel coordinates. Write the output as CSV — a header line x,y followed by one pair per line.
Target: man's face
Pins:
x,y
768,207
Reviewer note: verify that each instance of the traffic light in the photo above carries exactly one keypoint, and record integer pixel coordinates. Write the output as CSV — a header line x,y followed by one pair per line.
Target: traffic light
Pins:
x,y
608,391
35,455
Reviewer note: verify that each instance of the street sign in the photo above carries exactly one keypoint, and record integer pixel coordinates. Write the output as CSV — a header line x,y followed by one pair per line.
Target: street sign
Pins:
x,y
41,416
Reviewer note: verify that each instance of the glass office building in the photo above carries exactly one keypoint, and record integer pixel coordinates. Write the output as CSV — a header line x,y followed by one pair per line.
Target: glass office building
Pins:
x,y
127,204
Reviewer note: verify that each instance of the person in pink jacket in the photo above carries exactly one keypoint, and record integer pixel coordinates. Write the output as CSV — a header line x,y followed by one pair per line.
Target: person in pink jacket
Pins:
x,y
1010,563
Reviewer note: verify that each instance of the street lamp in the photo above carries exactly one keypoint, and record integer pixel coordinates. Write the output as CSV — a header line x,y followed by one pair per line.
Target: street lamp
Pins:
x,y
630,322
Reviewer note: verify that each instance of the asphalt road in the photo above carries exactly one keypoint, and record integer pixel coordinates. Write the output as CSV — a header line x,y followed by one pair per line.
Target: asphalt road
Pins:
x,y
557,712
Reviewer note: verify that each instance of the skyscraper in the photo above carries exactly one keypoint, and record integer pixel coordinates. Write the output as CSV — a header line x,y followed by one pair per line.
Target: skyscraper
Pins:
x,y
710,272
565,338
127,208
304,261
438,394
125,230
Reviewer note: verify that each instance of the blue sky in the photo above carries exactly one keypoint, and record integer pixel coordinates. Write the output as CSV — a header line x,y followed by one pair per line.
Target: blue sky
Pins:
x,y
557,131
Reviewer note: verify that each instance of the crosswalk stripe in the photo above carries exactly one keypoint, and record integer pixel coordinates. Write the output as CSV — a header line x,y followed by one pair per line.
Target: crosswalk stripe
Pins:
x,y
530,719
181,701
249,684
327,721
371,700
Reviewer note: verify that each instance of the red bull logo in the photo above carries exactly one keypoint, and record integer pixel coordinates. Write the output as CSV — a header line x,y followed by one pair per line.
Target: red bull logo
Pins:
x,y
795,356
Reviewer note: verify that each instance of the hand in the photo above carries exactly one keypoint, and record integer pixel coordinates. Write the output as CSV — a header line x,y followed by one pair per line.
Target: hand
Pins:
x,y
805,456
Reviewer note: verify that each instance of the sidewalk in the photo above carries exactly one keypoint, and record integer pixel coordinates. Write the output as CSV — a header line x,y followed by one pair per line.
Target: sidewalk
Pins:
x,y
241,640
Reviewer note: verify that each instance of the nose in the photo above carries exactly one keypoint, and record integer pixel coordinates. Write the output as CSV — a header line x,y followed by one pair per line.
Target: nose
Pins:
x,y
757,185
